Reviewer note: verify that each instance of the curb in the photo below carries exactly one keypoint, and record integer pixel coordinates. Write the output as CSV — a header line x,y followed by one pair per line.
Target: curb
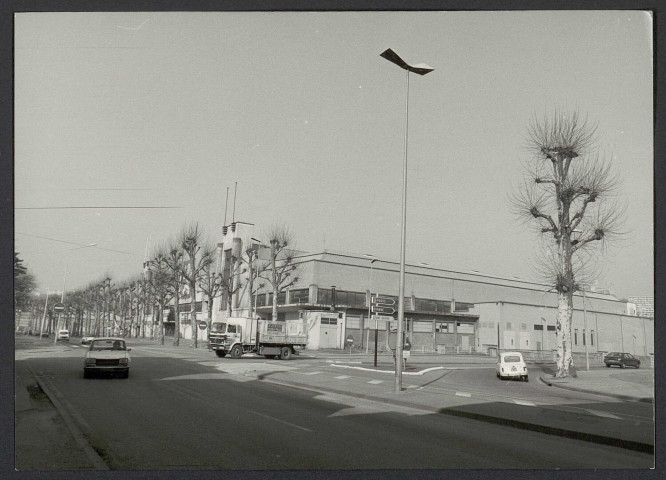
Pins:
x,y
628,398
80,439
555,431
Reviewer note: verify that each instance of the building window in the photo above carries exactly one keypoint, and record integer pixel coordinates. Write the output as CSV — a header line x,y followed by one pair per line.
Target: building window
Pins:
x,y
442,327
538,326
301,295
523,326
508,325
551,328
423,327
576,336
591,337
583,336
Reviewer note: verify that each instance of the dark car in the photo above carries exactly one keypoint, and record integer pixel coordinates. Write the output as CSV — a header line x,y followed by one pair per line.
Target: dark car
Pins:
x,y
622,360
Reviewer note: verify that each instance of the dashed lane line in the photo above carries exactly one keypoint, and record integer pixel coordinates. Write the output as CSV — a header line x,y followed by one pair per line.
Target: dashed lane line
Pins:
x,y
463,394
342,377
524,402
376,382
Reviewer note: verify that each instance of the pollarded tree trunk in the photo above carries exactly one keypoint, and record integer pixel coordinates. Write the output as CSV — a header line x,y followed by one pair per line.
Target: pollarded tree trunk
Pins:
x,y
564,313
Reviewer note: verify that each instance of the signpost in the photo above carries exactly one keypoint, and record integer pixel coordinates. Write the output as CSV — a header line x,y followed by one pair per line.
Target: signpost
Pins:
x,y
203,325
58,307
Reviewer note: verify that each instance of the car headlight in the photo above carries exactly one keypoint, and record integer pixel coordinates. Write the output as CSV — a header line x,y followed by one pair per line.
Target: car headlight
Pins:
x,y
123,361
90,361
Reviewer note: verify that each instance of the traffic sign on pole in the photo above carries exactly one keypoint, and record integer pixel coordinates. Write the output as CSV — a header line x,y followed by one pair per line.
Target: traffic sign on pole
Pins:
x,y
58,308
382,309
378,300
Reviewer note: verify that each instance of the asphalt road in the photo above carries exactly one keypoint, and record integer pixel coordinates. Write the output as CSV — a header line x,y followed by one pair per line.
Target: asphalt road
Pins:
x,y
179,413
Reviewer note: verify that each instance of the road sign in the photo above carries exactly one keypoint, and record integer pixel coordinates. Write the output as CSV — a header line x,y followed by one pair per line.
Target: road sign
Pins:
x,y
350,340
203,325
382,309
377,300
58,307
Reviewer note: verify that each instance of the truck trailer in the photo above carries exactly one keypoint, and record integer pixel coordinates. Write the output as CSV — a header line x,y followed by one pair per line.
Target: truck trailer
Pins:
x,y
236,336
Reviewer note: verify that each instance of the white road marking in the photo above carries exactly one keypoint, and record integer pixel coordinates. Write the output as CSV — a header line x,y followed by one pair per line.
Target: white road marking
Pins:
x,y
342,377
600,413
412,386
524,402
463,394
282,421
391,372
310,373
376,382
361,406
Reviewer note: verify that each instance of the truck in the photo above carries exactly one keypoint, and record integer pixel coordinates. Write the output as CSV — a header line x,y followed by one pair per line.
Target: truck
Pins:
x,y
236,336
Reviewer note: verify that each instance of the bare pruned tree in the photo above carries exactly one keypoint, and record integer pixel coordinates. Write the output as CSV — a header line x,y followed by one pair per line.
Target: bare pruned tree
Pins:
x,y
280,271
159,279
210,279
568,195
199,259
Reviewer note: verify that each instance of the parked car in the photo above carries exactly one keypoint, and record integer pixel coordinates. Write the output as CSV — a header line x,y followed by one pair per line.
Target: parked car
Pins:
x,y
86,340
107,355
622,360
511,365
63,335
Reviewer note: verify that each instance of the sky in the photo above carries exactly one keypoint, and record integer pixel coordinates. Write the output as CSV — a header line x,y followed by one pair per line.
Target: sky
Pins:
x,y
172,110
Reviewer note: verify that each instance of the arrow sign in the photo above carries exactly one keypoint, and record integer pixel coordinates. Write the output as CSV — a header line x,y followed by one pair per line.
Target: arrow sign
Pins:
x,y
382,309
376,300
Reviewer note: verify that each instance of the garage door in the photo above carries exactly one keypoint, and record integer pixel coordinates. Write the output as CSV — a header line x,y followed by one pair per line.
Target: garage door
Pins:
x,y
328,335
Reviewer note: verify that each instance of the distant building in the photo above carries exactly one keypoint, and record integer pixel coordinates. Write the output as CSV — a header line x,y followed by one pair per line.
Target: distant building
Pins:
x,y
644,306
445,310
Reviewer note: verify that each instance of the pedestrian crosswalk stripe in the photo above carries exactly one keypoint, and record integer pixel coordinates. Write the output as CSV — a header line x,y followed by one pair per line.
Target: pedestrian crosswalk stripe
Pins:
x,y
341,377
524,402
376,382
463,394
311,373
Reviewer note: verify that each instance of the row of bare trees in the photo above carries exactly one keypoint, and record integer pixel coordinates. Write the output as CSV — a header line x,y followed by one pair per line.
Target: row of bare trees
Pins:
x,y
182,268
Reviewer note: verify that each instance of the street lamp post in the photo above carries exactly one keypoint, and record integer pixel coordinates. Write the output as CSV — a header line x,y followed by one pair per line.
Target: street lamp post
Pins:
x,y
420,69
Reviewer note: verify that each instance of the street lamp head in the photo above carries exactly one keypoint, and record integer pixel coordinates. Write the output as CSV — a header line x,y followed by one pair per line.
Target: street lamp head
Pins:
x,y
419,68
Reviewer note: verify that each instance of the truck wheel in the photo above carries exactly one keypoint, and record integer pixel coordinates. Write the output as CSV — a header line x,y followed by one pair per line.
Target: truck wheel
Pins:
x,y
236,352
220,353
285,353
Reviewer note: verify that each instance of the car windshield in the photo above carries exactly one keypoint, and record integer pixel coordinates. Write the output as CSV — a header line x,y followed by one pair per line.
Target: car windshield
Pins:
x,y
218,327
107,345
512,359
614,354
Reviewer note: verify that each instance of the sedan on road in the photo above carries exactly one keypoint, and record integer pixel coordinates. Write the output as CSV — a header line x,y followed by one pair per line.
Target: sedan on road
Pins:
x,y
511,365
621,360
107,355
63,335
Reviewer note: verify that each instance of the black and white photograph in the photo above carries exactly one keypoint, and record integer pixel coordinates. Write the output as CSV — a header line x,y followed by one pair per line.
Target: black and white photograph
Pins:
x,y
333,242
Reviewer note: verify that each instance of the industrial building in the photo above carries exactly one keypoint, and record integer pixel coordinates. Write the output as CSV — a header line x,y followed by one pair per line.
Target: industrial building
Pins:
x,y
445,310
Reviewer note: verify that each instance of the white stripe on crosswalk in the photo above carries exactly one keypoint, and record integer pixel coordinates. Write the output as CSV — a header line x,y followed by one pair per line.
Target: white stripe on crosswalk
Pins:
x,y
341,377
524,402
376,382
463,394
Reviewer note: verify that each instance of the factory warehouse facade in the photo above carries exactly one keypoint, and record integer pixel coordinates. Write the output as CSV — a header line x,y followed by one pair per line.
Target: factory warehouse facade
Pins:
x,y
445,311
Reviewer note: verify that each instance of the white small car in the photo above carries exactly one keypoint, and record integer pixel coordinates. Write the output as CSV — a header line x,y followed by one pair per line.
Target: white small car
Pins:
x,y
511,365
107,355
63,335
